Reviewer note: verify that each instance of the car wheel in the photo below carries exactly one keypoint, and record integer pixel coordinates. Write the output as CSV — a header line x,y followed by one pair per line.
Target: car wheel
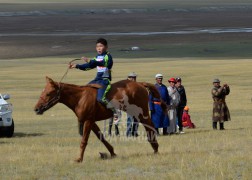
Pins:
x,y
9,131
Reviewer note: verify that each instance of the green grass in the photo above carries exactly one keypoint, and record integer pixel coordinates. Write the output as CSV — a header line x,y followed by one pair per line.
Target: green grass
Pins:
x,y
43,147
227,49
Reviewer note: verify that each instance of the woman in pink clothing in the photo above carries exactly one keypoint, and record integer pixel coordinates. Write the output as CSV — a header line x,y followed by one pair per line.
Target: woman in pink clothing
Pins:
x,y
186,119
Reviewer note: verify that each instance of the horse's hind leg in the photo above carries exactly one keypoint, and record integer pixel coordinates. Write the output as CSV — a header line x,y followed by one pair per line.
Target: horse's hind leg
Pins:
x,y
100,136
151,132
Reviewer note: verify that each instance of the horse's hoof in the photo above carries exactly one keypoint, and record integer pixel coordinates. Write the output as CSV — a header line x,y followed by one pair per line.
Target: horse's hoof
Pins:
x,y
113,155
103,155
155,152
78,160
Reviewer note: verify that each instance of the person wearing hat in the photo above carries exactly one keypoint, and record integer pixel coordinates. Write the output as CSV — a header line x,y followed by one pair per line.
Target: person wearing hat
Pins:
x,y
182,102
132,76
116,119
186,118
158,117
174,98
132,123
220,109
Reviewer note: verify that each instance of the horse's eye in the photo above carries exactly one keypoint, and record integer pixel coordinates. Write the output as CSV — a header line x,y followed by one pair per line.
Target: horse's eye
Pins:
x,y
47,94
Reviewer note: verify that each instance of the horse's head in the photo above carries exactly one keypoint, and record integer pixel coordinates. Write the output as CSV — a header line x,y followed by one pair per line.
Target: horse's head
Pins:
x,y
49,96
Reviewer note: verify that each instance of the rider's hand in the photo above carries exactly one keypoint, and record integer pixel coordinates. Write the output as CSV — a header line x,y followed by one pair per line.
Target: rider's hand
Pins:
x,y
71,66
85,59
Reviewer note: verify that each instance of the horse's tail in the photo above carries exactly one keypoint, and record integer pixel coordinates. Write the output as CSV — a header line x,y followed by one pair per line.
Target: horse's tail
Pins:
x,y
153,90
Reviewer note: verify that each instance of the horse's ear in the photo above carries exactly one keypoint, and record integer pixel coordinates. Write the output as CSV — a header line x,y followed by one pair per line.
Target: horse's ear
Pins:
x,y
52,83
49,80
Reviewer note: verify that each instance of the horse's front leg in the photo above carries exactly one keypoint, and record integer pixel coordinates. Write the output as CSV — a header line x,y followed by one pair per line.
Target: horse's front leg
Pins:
x,y
88,124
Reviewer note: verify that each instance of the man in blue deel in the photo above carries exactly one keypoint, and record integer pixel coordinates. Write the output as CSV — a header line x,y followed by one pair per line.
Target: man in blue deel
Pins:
x,y
158,117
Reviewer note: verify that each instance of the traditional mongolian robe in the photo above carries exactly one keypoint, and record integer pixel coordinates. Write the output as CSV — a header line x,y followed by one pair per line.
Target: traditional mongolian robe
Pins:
x,y
181,106
220,109
158,117
172,113
186,120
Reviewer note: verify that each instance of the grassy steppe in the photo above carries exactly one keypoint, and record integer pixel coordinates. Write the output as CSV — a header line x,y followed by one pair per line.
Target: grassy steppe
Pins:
x,y
43,147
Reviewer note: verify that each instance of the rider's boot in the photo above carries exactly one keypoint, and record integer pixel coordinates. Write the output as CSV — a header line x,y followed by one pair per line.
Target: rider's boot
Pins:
x,y
110,106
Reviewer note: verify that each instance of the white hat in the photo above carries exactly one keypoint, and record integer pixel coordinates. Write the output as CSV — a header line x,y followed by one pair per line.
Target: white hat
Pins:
x,y
132,74
158,75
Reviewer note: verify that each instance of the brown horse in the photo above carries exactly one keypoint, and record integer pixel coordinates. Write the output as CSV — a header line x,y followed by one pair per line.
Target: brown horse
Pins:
x,y
126,95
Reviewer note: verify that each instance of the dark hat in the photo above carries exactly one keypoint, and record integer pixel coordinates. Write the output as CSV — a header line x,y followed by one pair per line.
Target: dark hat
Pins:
x,y
216,81
178,79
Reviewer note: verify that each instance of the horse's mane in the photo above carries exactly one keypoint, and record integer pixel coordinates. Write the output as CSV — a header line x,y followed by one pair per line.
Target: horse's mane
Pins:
x,y
155,93
152,89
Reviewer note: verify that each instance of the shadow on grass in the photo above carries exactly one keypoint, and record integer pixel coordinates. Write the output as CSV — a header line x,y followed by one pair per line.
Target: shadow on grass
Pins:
x,y
4,143
20,134
235,129
195,131
211,130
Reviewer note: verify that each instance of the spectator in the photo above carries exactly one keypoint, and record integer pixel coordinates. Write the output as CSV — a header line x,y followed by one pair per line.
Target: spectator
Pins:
x,y
182,103
158,117
186,119
220,109
132,123
174,99
116,119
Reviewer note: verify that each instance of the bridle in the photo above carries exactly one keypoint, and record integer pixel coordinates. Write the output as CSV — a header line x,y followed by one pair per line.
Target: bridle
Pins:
x,y
52,101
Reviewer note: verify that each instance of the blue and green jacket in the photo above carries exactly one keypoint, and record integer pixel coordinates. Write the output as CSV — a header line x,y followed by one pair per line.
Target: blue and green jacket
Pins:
x,y
103,62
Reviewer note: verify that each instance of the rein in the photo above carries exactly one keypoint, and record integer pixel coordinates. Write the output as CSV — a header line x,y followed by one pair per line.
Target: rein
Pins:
x,y
55,99
64,75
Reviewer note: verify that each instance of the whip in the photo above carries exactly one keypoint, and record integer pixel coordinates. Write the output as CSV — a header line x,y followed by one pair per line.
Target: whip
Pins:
x,y
68,68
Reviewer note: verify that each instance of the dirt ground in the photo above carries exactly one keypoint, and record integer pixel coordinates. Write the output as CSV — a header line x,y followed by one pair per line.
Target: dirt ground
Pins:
x,y
60,31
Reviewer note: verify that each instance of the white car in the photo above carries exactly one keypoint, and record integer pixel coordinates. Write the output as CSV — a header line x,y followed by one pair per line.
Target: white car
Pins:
x,y
6,120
